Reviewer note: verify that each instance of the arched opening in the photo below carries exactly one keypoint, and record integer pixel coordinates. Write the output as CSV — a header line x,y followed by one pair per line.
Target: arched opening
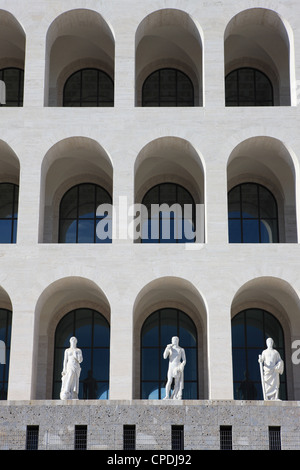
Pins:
x,y
262,170
92,332
250,330
6,316
168,40
12,60
72,306
77,39
264,307
257,38
157,332
164,308
169,170
9,193
67,164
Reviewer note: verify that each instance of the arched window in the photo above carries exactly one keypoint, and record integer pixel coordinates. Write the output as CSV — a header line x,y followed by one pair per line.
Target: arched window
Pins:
x,y
169,215
168,87
9,194
5,335
90,88
79,215
252,214
93,335
13,79
250,330
156,334
248,87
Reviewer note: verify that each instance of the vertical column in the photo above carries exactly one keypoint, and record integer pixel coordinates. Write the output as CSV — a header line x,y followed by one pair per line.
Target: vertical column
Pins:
x,y
29,194
21,382
35,62
124,68
220,377
216,198
214,69
121,349
123,205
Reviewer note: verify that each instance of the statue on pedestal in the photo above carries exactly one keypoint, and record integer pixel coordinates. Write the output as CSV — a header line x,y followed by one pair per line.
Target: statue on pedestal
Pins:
x,y
177,361
71,371
271,366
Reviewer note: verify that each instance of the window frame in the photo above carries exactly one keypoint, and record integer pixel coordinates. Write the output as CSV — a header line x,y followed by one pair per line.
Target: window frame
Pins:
x,y
98,102
20,94
59,350
259,218
266,319
4,376
159,99
14,214
95,219
160,348
238,97
159,239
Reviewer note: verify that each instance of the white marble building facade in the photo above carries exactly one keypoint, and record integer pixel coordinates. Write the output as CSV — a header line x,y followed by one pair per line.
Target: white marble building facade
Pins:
x,y
47,148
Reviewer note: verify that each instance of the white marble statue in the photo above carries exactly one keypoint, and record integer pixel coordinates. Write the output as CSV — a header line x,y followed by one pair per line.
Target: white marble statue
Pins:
x,y
177,361
271,366
71,371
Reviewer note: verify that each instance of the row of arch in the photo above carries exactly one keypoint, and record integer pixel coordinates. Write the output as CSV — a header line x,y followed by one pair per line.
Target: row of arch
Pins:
x,y
170,39
261,175
163,308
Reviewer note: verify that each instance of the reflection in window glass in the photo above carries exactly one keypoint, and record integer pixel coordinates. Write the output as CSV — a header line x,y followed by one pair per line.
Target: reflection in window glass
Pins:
x,y
93,335
89,88
168,87
14,86
9,194
5,336
80,221
157,332
250,330
248,87
252,214
170,215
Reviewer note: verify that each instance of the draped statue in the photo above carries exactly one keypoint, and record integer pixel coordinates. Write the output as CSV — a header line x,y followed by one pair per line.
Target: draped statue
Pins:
x,y
271,366
71,371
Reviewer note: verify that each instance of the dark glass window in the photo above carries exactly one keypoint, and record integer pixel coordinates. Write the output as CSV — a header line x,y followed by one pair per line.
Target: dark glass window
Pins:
x,y
177,437
9,195
5,335
93,335
14,86
32,437
89,88
157,332
129,437
252,214
248,87
274,438
79,217
80,437
225,437
170,215
250,330
168,87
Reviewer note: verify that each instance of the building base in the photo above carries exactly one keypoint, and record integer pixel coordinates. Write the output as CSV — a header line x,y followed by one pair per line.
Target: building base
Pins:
x,y
55,424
